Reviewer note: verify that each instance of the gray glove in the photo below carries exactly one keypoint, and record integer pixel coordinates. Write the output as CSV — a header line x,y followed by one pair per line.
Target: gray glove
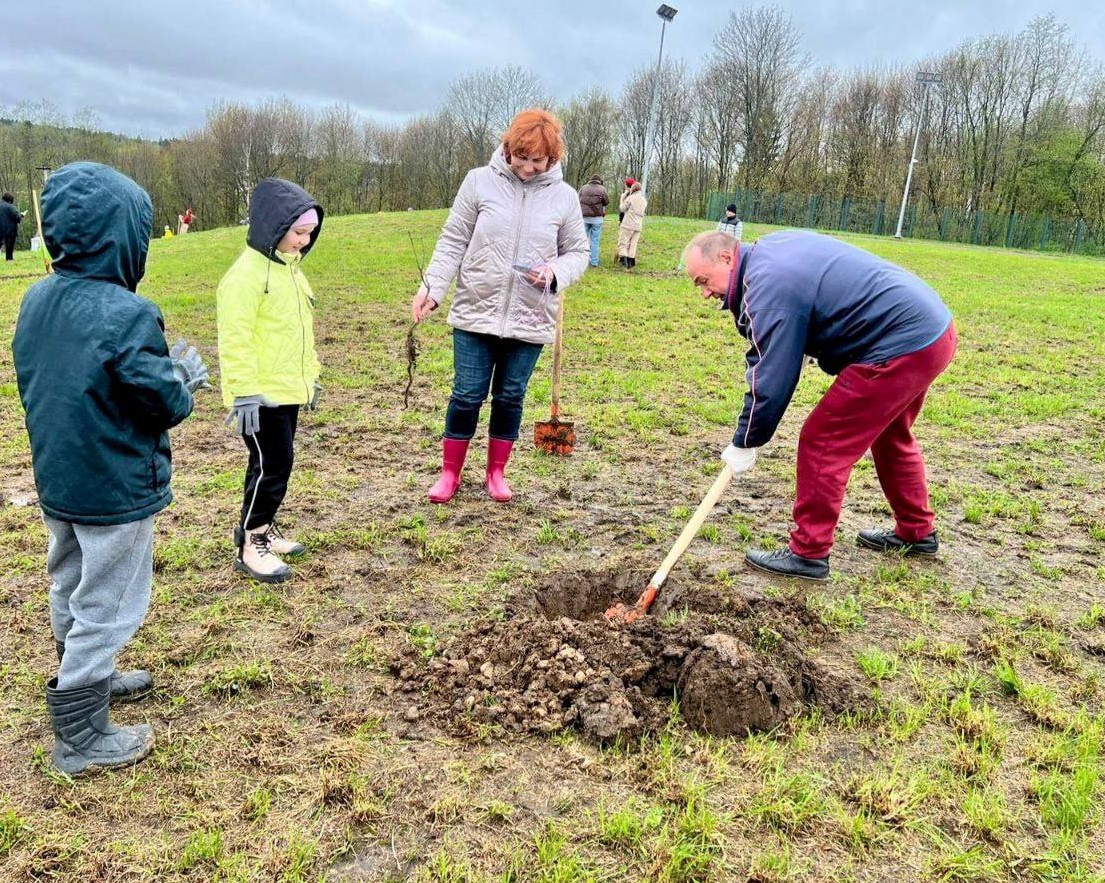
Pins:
x,y
312,405
245,416
189,366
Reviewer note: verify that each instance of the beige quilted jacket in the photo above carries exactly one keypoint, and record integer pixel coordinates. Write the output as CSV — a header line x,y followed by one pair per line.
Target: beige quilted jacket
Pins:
x,y
498,221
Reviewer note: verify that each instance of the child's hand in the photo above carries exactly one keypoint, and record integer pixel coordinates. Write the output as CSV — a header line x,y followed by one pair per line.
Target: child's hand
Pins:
x,y
422,305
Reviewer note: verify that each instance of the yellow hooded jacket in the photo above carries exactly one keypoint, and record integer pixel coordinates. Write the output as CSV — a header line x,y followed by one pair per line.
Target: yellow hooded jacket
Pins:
x,y
266,306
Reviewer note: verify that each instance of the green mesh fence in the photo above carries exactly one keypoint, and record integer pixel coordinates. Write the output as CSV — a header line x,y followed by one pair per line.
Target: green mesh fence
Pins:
x,y
1031,232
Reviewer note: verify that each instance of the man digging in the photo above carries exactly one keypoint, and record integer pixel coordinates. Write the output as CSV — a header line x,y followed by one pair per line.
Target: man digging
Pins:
x,y
884,333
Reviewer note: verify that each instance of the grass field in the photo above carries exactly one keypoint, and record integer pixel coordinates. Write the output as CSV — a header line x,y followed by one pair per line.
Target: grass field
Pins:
x,y
287,750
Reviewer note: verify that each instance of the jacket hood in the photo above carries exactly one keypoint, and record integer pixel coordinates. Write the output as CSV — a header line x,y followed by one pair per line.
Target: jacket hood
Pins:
x,y
552,175
97,224
276,204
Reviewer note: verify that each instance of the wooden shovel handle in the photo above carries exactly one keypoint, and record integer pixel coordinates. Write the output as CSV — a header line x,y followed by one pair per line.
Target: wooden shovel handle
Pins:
x,y
558,346
691,530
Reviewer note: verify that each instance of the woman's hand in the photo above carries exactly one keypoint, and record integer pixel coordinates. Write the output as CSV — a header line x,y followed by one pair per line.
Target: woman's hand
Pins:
x,y
422,305
540,277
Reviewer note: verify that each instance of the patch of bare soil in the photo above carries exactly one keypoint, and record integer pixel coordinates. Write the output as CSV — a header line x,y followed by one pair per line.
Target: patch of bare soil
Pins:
x,y
738,664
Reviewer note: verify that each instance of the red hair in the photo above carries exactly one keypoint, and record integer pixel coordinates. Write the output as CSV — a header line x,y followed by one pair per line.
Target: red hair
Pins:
x,y
535,133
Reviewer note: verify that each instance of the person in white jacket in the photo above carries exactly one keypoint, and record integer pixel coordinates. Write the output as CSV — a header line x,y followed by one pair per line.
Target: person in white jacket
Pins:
x,y
514,240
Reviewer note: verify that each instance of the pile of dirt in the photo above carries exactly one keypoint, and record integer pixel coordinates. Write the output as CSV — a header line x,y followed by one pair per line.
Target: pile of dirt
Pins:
x,y
736,662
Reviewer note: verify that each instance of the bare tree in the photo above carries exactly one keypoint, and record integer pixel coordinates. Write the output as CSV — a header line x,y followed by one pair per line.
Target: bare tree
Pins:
x,y
761,47
589,122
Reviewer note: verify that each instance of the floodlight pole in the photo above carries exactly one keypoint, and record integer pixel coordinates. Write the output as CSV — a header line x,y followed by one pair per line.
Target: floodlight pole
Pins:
x,y
666,14
927,79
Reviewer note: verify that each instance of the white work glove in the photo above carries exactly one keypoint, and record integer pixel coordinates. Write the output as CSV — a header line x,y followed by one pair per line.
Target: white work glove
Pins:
x,y
740,460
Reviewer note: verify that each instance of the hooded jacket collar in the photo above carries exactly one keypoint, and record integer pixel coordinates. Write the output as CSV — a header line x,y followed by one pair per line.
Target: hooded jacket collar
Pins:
x,y
97,224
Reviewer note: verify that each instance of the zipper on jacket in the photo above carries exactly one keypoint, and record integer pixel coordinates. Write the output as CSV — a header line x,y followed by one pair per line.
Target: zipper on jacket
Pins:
x,y
513,273
302,336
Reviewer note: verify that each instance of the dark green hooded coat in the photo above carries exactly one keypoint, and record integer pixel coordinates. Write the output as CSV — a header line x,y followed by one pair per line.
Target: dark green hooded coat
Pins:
x,y
94,372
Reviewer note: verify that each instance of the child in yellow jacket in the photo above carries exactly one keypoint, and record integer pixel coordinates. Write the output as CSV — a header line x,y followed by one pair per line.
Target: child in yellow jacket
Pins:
x,y
268,362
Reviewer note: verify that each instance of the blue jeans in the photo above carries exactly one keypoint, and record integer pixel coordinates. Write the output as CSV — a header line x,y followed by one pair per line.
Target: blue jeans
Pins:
x,y
485,363
594,232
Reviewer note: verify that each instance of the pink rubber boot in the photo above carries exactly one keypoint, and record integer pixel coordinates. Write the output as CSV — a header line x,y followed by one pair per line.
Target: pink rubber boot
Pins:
x,y
453,452
498,452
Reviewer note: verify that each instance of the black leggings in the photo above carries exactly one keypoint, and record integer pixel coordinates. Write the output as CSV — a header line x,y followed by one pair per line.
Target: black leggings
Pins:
x,y
270,465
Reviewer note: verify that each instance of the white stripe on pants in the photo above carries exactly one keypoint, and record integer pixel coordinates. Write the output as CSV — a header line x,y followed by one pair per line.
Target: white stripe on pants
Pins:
x,y
101,578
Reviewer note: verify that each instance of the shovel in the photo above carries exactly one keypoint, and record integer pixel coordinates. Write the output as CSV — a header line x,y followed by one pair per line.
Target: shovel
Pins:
x,y
556,436
620,612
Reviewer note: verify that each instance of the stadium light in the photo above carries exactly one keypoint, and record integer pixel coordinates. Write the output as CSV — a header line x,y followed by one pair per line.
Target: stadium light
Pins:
x,y
927,79
666,13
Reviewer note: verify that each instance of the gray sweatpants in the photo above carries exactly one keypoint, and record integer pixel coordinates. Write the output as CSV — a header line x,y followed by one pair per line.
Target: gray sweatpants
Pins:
x,y
101,578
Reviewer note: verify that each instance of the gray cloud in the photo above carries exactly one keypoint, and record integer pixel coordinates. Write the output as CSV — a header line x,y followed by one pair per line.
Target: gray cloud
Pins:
x,y
154,69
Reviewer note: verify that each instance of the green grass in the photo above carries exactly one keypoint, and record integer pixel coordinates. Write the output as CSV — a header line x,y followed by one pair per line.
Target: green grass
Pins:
x,y
287,745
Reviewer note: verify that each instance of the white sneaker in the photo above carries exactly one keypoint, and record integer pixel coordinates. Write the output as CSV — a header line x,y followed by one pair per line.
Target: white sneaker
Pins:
x,y
256,557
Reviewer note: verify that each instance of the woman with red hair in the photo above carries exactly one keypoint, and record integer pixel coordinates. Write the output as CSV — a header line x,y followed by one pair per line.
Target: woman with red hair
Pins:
x,y
513,242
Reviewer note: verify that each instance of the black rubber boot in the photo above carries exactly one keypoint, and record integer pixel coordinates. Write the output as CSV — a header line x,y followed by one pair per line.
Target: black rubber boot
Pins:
x,y
786,563
126,686
888,541
632,263
85,739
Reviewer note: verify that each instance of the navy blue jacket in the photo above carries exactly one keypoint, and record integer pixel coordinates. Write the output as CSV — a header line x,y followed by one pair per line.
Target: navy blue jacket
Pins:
x,y
797,294
93,368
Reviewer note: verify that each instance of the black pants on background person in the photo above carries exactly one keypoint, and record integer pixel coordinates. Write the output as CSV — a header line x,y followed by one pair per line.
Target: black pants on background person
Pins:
x,y
270,465
9,248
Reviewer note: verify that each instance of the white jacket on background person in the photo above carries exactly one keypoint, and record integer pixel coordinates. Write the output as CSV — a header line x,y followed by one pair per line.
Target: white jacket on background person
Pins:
x,y
498,221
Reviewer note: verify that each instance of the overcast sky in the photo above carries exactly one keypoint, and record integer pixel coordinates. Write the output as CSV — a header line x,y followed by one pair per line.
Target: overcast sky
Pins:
x,y
153,68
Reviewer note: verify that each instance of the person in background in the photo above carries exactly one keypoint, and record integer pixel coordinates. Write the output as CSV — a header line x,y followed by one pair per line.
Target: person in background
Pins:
x,y
514,241
10,219
185,221
593,201
629,182
883,332
101,389
730,224
633,204
269,365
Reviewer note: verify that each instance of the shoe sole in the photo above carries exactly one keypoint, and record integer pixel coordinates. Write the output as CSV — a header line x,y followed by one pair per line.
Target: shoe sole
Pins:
x,y
261,577
762,569
904,550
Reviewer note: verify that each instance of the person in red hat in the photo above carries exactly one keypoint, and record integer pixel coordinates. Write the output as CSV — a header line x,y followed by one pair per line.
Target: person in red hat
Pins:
x,y
629,182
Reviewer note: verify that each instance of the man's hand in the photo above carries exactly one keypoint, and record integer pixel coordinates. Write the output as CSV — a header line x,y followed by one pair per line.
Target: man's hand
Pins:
x,y
245,416
422,305
740,460
188,366
312,405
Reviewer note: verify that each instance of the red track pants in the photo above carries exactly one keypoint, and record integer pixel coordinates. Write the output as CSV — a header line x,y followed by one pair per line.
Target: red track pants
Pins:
x,y
868,406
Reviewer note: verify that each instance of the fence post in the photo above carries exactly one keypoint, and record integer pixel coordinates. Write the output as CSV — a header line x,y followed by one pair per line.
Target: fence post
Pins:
x,y
976,234
810,210
1009,226
944,223
845,205
1079,232
778,209
877,227
1045,233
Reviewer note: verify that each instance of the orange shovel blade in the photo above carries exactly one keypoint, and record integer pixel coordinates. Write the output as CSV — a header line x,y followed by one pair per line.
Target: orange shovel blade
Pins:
x,y
620,613
557,437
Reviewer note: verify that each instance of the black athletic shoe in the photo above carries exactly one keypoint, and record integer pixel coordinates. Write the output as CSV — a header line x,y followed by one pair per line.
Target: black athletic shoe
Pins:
x,y
786,563
888,541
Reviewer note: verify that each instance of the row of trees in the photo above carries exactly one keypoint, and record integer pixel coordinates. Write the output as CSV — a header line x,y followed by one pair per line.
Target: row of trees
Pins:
x,y
1017,125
